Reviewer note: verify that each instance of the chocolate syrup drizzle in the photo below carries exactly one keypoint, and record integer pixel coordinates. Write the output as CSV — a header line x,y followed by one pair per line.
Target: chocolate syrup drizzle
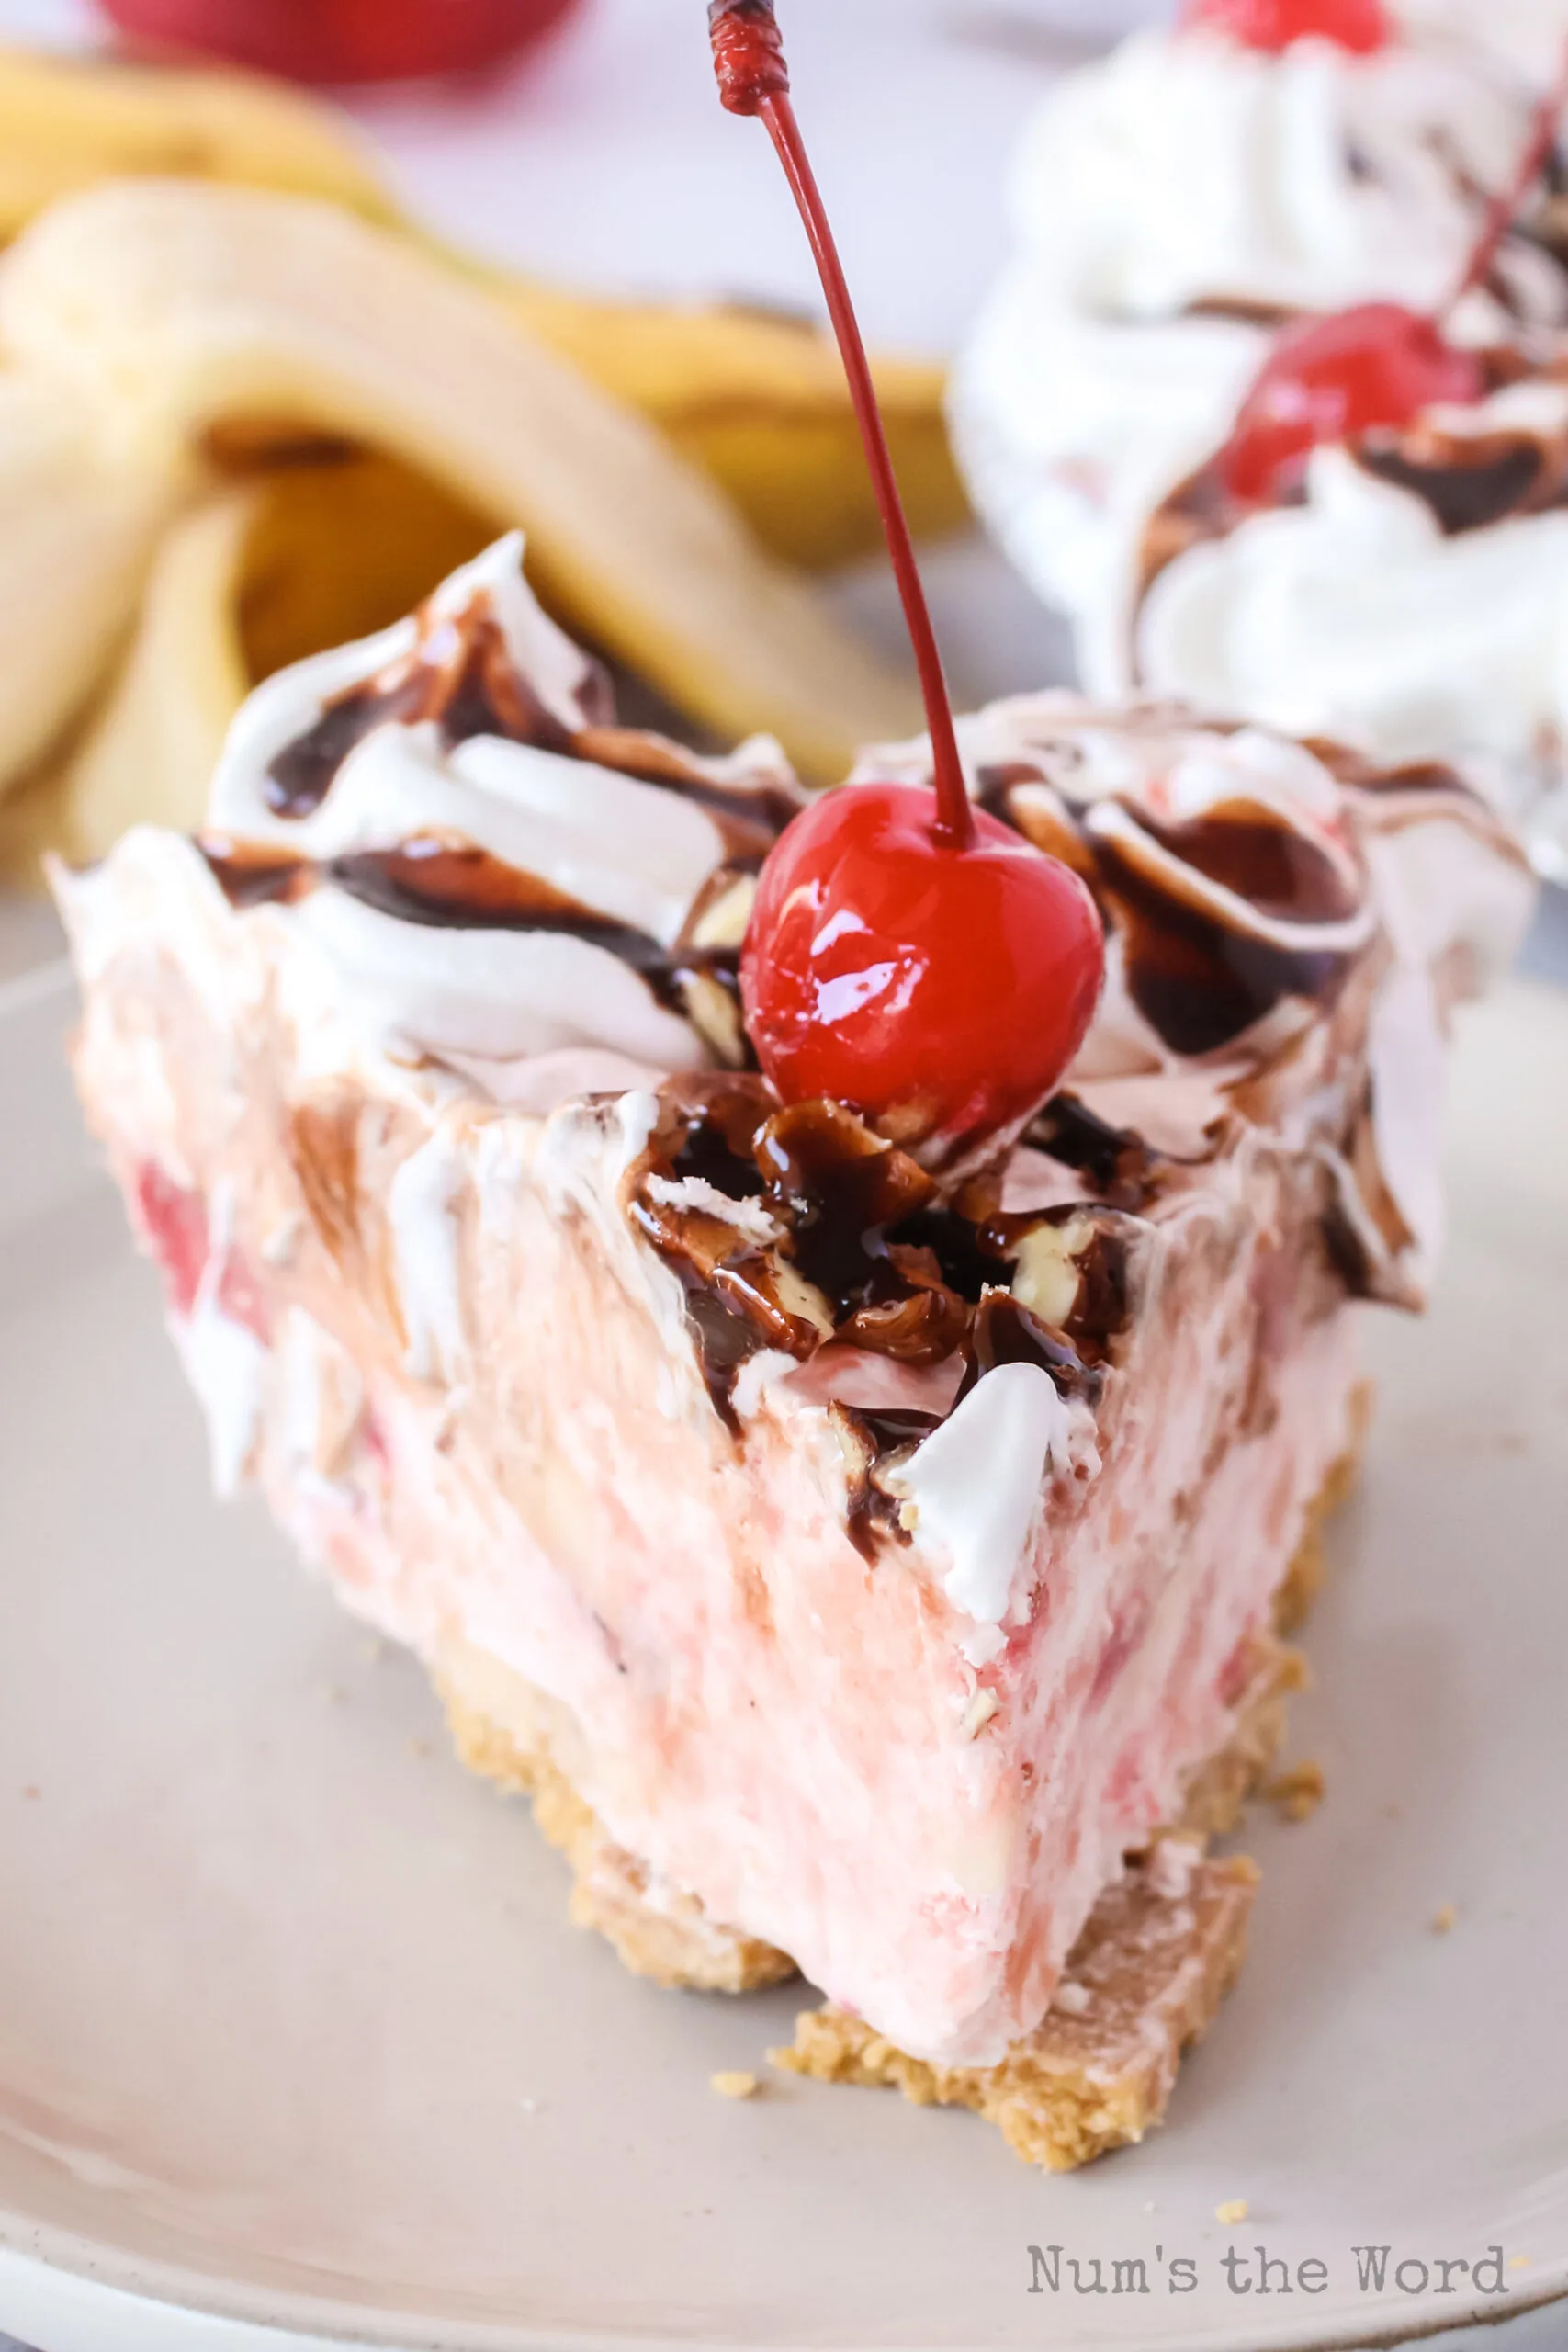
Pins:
x,y
892,1269
1199,981
460,677
853,1244
1469,481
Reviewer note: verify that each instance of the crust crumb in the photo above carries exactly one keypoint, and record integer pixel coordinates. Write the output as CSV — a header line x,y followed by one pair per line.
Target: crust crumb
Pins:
x,y
1233,2212
1445,1921
1304,1580
735,2085
1298,1792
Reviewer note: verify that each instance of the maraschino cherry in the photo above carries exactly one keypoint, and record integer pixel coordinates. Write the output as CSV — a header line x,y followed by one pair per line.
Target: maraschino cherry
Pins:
x,y
342,40
1331,379
1360,26
905,955
1378,363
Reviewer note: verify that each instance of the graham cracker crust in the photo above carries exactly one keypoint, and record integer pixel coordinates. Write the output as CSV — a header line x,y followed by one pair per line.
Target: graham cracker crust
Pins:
x,y
1144,1980
516,1736
1160,1952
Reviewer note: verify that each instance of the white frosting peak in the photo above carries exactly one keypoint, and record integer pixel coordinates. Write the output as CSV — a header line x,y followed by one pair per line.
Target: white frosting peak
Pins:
x,y
620,851
1187,167
976,1486
1158,195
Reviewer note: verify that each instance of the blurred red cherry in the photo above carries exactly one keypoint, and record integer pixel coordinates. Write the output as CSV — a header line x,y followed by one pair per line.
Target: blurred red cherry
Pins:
x,y
940,992
1330,379
342,40
1360,26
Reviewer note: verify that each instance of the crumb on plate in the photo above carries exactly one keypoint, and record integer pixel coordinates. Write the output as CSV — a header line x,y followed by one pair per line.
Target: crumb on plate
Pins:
x,y
733,2085
1298,1792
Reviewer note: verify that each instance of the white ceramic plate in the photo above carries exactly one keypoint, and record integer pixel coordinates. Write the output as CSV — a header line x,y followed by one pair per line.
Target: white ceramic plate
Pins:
x,y
293,2034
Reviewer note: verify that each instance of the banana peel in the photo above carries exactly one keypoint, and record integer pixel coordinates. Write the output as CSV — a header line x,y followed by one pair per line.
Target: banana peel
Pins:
x,y
756,399
181,313
149,754
249,578
246,579
78,530
68,122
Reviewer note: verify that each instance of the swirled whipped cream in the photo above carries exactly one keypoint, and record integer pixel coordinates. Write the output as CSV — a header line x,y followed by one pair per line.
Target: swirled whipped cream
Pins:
x,y
1174,207
494,878
494,871
1270,910
1413,603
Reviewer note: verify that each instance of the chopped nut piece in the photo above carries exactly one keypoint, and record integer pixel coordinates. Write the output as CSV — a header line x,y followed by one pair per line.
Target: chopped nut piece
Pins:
x,y
981,1708
1047,1277
735,2086
723,922
714,1016
1298,1792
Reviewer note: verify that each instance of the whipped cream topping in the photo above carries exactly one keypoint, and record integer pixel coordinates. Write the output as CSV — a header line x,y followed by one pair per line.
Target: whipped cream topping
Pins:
x,y
494,869
1185,168
1225,863
1357,614
1174,207
490,886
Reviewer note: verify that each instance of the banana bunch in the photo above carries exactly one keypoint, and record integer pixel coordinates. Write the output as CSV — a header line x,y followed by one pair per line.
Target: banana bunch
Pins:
x,y
756,400
246,411
237,424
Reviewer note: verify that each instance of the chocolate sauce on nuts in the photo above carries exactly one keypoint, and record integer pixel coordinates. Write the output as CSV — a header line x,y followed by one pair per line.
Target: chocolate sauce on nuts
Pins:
x,y
864,1253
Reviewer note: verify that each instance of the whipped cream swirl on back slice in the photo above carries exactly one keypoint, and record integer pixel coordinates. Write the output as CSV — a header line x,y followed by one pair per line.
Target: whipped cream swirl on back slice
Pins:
x,y
1415,603
1173,207
1186,169
496,871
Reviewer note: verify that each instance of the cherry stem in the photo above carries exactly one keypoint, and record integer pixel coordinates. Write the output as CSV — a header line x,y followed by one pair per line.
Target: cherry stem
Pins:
x,y
753,80
1505,208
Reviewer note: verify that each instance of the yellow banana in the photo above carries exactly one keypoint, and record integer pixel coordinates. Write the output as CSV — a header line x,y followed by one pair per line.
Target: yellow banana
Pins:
x,y
758,400
78,527
65,123
247,578
149,755
180,311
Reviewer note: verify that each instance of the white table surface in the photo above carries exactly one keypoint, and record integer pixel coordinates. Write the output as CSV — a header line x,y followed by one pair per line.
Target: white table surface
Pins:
x,y
607,163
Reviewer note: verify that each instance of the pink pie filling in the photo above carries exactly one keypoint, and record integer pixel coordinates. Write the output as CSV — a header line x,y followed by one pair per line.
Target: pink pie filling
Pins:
x,y
470,1392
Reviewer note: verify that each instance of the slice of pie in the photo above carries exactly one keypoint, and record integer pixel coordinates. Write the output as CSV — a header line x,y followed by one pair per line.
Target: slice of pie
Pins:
x,y
868,1573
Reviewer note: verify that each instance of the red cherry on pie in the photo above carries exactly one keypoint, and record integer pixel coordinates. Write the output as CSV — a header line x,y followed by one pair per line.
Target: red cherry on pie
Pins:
x,y
342,40
940,992
1360,26
1332,380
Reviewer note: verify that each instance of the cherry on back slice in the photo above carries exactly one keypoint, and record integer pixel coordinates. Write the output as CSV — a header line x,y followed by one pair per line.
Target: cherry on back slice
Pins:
x,y
1360,26
1331,379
